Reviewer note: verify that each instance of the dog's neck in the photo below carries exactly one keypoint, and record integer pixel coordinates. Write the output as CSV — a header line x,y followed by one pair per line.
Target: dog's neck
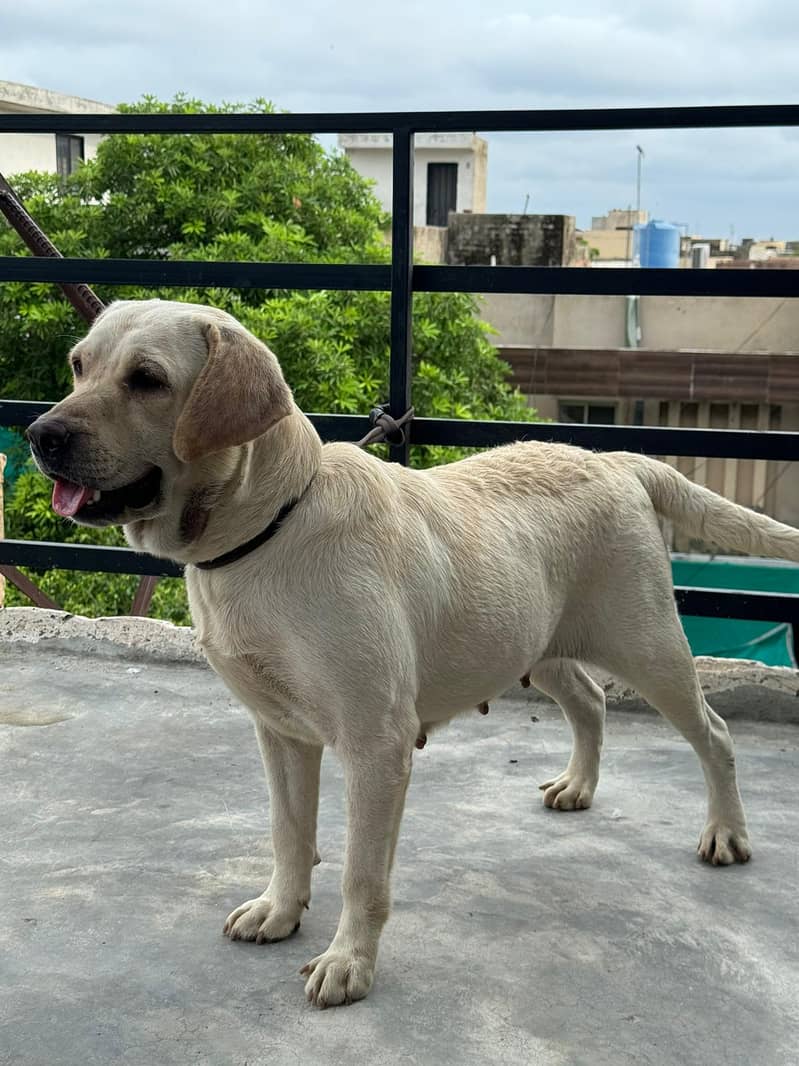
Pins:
x,y
249,486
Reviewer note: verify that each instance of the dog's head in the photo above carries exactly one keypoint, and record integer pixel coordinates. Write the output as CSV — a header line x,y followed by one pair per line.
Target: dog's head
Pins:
x,y
162,391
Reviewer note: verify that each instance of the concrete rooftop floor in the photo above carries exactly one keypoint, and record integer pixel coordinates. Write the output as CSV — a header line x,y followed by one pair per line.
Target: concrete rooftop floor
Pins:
x,y
134,819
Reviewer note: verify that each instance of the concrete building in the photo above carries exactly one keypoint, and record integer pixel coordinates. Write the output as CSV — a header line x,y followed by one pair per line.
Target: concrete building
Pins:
x,y
59,153
604,247
450,171
609,241
708,362
619,219
759,251
510,240
787,262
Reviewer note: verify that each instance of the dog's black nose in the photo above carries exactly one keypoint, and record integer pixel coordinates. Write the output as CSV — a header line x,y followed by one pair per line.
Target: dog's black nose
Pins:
x,y
49,437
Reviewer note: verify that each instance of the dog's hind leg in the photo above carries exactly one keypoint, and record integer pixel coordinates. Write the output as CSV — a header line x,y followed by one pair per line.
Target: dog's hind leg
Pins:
x,y
583,704
647,648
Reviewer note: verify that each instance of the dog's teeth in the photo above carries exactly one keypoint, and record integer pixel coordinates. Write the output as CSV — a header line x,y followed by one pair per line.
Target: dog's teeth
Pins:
x,y
96,496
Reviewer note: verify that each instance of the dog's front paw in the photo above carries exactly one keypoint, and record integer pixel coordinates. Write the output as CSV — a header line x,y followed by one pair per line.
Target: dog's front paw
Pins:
x,y
722,845
338,977
568,792
263,920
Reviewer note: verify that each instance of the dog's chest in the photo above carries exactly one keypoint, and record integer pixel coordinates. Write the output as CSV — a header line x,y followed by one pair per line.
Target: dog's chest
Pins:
x,y
268,688
255,659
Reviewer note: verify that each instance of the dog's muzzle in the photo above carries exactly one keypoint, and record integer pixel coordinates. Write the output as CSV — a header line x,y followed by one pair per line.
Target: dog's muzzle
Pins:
x,y
84,498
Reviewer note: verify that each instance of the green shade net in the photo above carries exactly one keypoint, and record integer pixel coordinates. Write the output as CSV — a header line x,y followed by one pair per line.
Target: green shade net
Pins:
x,y
731,638
13,446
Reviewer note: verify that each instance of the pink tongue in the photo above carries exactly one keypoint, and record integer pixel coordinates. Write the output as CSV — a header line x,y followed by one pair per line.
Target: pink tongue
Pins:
x,y
68,498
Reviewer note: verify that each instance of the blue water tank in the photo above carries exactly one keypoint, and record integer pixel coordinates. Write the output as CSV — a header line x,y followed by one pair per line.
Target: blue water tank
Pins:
x,y
657,244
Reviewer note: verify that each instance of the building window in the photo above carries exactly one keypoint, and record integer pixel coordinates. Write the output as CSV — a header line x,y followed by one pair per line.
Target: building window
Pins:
x,y
69,152
602,414
442,192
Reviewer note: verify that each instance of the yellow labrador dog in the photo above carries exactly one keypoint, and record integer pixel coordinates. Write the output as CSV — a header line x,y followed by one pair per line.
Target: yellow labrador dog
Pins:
x,y
353,603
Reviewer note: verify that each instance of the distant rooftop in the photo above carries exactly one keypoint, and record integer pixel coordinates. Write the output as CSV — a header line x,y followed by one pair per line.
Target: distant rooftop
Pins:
x,y
15,98
449,141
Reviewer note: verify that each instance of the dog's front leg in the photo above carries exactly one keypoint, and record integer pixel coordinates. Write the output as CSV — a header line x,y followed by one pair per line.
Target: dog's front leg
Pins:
x,y
292,773
376,777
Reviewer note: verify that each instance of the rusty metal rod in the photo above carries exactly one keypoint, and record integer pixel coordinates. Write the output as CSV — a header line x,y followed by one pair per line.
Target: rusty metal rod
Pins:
x,y
25,585
86,303
83,299
144,594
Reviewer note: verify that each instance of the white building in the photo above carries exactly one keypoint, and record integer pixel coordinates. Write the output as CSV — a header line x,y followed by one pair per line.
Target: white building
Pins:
x,y
56,152
449,171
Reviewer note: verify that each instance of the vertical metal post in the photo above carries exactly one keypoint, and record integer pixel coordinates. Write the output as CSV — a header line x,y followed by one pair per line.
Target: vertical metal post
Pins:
x,y
400,369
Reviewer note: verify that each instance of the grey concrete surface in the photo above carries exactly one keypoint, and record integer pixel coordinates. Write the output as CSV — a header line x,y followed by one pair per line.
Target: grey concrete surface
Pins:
x,y
133,821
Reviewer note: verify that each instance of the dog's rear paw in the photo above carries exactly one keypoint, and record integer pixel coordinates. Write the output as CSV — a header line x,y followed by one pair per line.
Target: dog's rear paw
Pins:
x,y
568,792
723,846
337,977
263,920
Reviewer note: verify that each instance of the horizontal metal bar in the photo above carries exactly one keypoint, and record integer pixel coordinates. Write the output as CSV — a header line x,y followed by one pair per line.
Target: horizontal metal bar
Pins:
x,y
732,603
703,602
624,281
549,120
651,440
48,555
456,432
20,413
377,278
349,428
156,272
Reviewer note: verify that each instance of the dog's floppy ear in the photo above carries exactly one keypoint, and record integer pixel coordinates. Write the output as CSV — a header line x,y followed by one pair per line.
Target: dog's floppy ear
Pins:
x,y
239,395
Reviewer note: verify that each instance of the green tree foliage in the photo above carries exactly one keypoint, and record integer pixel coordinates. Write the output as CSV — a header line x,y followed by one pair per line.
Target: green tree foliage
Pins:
x,y
267,198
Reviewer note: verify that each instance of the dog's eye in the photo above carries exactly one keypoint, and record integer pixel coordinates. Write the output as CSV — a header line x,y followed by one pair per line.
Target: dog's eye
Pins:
x,y
77,367
145,381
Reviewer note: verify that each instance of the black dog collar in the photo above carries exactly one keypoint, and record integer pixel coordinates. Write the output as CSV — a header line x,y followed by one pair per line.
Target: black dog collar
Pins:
x,y
255,542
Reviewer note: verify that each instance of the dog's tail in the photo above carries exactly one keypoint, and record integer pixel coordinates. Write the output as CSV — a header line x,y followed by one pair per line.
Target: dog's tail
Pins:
x,y
708,516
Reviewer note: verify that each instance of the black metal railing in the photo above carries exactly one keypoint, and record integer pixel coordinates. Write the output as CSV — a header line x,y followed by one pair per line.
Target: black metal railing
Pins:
x,y
402,278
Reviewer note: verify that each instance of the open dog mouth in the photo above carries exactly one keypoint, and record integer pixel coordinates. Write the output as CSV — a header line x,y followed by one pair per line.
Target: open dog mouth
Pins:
x,y
87,504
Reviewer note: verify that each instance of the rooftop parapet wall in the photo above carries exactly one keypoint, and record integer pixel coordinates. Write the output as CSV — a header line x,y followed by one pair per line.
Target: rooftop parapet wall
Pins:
x,y
510,240
735,688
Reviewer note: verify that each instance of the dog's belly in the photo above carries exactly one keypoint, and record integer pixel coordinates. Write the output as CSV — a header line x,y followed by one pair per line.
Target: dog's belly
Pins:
x,y
441,702
461,684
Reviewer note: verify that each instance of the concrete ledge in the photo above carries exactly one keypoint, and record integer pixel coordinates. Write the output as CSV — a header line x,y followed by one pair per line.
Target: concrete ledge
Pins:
x,y
122,637
736,688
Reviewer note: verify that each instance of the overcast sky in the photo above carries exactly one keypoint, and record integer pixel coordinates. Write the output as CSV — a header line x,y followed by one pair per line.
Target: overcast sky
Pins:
x,y
364,55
